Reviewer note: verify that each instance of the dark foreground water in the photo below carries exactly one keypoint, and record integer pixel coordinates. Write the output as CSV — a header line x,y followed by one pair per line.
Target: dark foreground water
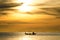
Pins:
x,y
22,36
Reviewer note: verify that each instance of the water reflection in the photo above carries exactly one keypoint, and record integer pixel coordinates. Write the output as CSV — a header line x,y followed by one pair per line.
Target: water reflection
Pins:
x,y
21,36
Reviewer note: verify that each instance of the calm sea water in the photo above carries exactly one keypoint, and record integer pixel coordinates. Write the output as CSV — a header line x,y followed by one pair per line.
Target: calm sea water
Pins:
x,y
22,36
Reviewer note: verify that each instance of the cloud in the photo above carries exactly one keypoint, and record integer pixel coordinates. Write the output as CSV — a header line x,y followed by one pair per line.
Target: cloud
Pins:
x,y
45,17
52,11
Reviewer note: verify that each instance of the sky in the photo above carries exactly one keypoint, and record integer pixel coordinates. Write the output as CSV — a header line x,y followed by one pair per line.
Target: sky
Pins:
x,y
36,15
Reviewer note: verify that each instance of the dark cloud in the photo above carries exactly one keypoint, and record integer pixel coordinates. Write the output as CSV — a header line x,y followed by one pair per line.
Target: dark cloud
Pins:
x,y
53,11
9,5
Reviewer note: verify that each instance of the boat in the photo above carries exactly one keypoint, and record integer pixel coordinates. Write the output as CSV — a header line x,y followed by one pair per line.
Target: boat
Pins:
x,y
30,33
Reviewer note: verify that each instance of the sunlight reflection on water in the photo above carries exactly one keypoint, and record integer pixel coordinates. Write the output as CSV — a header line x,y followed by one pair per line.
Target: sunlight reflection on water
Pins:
x,y
16,36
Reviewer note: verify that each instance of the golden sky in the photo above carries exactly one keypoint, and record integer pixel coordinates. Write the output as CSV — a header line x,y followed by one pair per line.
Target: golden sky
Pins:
x,y
36,15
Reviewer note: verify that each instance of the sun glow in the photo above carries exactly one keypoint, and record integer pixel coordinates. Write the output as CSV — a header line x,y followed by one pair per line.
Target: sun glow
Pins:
x,y
22,17
22,11
25,8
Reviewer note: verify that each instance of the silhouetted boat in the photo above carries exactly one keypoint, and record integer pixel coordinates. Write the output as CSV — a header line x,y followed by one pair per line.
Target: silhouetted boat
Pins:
x,y
30,33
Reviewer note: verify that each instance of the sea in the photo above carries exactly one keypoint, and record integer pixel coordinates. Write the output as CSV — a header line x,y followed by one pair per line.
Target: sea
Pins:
x,y
30,36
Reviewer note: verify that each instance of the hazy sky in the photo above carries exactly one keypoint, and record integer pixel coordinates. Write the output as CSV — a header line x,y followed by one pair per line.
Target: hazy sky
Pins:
x,y
45,14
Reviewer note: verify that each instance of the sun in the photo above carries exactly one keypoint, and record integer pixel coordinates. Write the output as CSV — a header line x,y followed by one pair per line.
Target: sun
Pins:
x,y
25,8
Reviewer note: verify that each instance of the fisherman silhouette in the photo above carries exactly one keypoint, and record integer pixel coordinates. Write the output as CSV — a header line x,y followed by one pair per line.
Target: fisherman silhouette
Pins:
x,y
30,33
